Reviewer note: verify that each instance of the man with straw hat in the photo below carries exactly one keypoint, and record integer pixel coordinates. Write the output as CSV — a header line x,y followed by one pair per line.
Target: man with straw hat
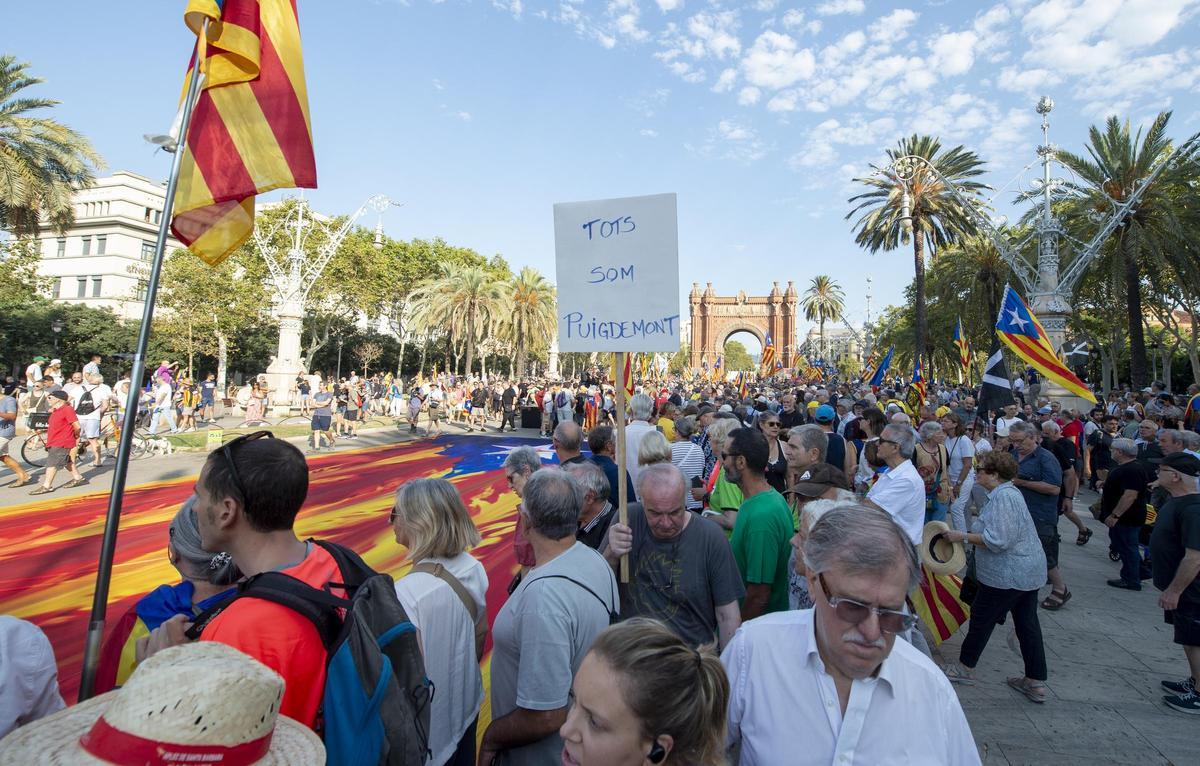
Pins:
x,y
202,703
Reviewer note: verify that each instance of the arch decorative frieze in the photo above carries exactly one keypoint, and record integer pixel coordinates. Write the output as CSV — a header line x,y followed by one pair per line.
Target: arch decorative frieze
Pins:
x,y
715,317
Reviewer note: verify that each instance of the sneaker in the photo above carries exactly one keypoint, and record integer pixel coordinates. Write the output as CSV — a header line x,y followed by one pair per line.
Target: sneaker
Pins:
x,y
1119,583
1186,686
959,674
1185,703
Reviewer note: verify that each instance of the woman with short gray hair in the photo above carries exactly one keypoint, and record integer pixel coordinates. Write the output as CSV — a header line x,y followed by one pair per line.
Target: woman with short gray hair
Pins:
x,y
207,580
933,464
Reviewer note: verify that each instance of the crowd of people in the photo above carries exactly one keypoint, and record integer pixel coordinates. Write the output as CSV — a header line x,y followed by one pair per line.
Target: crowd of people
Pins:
x,y
773,540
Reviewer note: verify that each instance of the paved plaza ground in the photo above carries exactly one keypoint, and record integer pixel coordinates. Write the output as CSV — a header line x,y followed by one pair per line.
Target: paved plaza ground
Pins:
x,y
1106,652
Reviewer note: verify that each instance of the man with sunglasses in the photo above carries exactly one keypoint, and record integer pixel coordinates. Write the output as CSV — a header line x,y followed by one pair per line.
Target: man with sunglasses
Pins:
x,y
832,682
900,491
247,497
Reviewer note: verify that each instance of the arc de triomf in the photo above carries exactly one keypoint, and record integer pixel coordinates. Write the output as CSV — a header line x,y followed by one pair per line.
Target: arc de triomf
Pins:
x,y
715,317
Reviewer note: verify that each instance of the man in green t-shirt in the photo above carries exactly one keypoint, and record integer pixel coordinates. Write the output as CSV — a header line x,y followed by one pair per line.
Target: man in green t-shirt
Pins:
x,y
763,528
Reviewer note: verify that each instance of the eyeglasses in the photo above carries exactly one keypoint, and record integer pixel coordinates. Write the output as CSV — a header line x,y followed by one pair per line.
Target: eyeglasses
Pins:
x,y
227,452
855,612
393,516
888,441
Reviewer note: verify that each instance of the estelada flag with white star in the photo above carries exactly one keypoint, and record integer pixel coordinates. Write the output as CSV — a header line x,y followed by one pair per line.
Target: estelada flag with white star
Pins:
x,y
1020,330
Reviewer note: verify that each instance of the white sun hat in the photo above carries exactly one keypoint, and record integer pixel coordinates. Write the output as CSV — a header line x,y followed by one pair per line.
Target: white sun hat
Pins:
x,y
198,703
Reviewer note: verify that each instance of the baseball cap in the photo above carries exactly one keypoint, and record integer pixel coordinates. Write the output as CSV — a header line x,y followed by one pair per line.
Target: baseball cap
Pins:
x,y
39,359
1045,410
824,414
1182,462
941,411
818,479
812,405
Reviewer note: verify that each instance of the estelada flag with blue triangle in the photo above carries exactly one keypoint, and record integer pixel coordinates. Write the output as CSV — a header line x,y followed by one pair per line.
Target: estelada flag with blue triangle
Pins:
x,y
880,371
768,353
1020,330
914,395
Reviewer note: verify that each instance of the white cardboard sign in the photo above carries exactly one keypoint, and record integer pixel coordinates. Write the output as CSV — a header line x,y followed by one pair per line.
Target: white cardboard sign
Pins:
x,y
618,274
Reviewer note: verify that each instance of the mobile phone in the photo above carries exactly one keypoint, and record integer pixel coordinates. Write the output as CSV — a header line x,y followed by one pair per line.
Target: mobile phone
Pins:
x,y
697,482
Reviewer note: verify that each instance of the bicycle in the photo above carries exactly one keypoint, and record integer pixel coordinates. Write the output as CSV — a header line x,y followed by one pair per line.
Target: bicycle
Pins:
x,y
34,450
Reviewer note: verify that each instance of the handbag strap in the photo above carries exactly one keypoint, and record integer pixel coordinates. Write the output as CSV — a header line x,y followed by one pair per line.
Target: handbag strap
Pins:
x,y
477,613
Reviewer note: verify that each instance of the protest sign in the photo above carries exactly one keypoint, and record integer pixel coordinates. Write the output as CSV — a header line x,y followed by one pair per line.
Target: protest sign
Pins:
x,y
618,274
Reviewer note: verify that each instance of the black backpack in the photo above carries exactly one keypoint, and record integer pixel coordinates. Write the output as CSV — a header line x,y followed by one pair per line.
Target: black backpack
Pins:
x,y
375,707
86,406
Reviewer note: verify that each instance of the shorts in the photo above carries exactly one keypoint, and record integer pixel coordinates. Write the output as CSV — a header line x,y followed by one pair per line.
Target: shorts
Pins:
x,y
435,412
1186,619
89,428
4,440
352,414
187,412
321,422
57,457
1049,538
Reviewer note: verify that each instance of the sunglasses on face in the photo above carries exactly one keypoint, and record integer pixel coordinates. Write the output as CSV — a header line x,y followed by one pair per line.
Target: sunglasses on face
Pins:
x,y
854,612
227,453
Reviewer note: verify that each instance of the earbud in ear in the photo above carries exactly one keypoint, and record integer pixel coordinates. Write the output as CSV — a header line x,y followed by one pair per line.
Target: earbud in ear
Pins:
x,y
657,753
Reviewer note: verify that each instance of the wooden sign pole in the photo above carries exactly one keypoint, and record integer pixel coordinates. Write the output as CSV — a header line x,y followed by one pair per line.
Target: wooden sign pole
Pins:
x,y
622,472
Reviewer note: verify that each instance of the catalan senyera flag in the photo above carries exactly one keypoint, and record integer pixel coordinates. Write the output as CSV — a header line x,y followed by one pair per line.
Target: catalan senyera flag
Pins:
x,y
868,369
627,376
964,349
644,370
250,130
716,371
768,354
1020,330
936,602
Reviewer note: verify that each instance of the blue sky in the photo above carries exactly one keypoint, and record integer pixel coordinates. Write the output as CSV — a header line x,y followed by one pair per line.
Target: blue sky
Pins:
x,y
481,115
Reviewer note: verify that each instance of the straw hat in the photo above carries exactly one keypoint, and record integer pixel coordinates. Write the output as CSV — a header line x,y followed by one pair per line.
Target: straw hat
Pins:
x,y
938,554
184,704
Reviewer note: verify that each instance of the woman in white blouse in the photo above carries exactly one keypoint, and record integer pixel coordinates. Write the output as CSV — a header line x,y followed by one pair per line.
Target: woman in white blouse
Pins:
x,y
430,519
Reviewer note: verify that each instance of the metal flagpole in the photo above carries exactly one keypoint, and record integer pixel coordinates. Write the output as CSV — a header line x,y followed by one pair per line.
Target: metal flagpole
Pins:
x,y
112,519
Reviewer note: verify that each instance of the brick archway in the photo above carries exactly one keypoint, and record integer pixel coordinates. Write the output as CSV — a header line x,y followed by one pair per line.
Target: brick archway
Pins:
x,y
715,317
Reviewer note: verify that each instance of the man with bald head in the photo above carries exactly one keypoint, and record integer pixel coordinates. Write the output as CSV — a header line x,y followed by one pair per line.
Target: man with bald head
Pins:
x,y
568,442
682,570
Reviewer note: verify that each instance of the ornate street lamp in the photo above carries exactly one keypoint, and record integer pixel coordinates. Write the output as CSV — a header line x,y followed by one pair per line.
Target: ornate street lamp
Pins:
x,y
57,326
339,364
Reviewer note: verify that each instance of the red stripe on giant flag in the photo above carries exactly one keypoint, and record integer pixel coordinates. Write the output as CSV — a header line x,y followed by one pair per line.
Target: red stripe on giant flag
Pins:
x,y
216,156
285,116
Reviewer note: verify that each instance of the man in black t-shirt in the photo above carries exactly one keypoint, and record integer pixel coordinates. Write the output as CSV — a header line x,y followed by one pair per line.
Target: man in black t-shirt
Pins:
x,y
1123,508
1175,557
1064,451
508,407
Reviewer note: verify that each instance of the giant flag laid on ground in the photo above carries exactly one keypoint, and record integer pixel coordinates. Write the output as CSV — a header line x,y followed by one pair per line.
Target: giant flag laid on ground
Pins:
x,y
1020,330
250,129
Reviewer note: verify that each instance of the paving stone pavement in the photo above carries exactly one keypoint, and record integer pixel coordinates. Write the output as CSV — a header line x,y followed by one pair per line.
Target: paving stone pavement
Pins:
x,y
1106,652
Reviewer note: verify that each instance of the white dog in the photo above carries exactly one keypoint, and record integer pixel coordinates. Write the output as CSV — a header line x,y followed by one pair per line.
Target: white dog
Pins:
x,y
161,447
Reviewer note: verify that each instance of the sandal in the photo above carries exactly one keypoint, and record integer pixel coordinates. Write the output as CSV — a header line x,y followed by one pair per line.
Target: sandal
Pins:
x,y
41,490
1034,692
1083,537
1055,601
75,483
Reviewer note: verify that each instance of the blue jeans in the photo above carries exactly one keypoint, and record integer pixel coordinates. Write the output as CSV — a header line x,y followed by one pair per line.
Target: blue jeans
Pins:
x,y
935,510
1125,543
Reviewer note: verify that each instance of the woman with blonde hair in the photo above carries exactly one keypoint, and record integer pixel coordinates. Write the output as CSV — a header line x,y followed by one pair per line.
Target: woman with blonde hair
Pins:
x,y
654,448
445,597
643,696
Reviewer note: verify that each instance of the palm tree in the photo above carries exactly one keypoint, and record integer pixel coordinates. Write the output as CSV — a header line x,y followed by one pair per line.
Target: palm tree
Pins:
x,y
532,321
938,217
465,301
1152,238
41,161
823,300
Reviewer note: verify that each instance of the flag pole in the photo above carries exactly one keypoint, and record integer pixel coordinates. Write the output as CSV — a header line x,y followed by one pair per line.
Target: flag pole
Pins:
x,y
112,519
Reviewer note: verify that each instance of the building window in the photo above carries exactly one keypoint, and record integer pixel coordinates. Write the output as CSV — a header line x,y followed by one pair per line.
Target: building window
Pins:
x,y
158,216
87,246
81,287
57,290
101,242
147,215
142,289
147,250
96,286
62,247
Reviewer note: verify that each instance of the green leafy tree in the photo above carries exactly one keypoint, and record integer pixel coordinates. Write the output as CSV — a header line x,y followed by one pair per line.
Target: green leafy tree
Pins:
x,y
42,161
1152,237
468,301
532,322
823,301
736,357
681,360
935,216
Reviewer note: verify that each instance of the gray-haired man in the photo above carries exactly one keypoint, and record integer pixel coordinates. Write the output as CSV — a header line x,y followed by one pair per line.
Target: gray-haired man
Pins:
x,y
836,672
545,628
596,511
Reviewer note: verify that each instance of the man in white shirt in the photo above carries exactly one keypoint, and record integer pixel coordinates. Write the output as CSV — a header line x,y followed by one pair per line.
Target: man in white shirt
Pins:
x,y
836,672
1009,417
33,373
28,675
900,490
91,400
641,407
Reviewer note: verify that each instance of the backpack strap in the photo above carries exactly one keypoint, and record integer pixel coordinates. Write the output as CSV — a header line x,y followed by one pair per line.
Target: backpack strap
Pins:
x,y
354,570
613,617
477,613
317,606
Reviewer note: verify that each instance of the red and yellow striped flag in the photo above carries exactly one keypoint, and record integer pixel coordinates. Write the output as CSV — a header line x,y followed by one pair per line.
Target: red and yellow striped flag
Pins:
x,y
936,602
250,130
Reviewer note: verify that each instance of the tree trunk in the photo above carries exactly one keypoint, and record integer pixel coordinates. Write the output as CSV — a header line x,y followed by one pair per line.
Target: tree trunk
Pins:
x,y
400,359
191,346
222,360
520,354
424,345
470,342
1133,292
918,289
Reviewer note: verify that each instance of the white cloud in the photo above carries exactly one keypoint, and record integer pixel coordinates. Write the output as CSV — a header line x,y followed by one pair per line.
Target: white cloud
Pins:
x,y
514,7
793,18
717,32
953,53
732,131
783,102
725,81
649,132
893,26
437,84
733,140
666,6
1027,81
625,15
816,154
765,5
749,95
775,62
836,7
464,116
851,43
